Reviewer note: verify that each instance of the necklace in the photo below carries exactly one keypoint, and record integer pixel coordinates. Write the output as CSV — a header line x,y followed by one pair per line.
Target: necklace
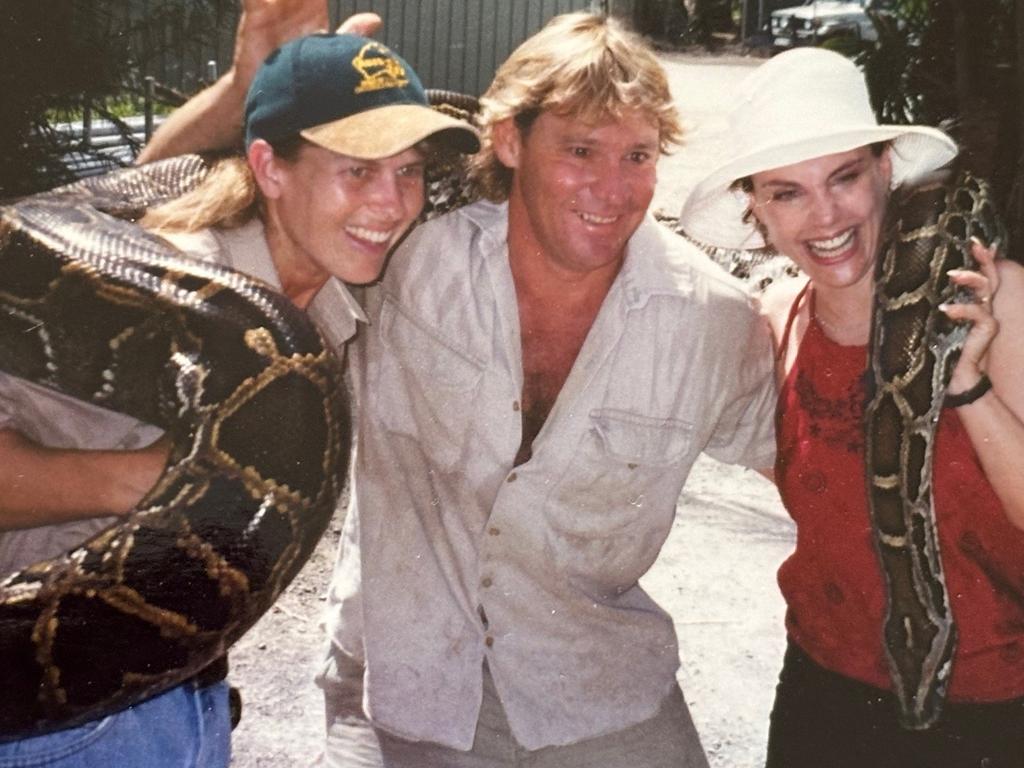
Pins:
x,y
836,330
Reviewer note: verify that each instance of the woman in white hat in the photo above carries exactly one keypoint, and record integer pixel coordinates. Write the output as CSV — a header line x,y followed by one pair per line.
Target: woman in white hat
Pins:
x,y
811,177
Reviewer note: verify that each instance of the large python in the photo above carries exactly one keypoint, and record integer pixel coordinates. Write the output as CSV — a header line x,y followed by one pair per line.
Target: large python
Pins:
x,y
97,308
913,351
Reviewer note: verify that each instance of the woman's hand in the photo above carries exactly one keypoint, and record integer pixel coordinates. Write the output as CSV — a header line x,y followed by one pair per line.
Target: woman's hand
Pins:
x,y
983,284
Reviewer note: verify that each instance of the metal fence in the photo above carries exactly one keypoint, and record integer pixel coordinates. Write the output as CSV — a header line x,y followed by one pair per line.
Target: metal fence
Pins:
x,y
453,44
458,44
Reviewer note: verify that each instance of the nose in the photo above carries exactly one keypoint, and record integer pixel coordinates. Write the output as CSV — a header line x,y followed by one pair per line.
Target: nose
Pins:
x,y
608,184
823,207
388,196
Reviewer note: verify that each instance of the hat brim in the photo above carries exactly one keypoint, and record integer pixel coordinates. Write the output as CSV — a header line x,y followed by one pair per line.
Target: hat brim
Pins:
x,y
713,212
385,131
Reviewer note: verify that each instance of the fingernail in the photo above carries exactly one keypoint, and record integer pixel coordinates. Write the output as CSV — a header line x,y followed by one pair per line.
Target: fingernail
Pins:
x,y
974,239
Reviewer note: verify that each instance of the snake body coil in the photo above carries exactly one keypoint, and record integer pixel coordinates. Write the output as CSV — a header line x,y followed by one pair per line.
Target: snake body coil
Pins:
x,y
914,349
95,307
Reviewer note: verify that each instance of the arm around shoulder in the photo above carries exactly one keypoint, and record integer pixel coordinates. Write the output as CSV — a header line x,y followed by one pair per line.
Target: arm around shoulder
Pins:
x,y
212,120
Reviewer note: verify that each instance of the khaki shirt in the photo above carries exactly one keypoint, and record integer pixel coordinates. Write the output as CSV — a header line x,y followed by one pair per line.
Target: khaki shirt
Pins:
x,y
55,420
451,556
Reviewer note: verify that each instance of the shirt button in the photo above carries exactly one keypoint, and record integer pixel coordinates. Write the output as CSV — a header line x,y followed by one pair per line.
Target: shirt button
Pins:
x,y
515,405
511,478
488,641
493,531
487,581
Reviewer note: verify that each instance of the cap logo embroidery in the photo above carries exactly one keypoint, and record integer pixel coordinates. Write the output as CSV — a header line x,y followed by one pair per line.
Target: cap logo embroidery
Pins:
x,y
379,68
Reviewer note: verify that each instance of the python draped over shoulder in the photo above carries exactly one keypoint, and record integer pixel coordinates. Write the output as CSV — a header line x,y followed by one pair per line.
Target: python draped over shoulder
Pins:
x,y
914,349
252,401
254,404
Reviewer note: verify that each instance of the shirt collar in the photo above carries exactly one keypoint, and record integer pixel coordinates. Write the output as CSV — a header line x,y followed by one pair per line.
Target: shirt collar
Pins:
x,y
653,264
333,309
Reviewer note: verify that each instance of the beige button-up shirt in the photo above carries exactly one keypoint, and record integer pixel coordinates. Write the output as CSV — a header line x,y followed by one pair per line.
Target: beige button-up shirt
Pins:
x,y
55,420
450,556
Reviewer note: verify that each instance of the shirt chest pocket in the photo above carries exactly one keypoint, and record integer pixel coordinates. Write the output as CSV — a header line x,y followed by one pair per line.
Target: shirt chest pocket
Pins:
x,y
613,507
426,384
627,468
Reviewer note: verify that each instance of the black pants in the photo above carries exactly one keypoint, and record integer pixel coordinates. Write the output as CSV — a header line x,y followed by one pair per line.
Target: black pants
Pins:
x,y
825,720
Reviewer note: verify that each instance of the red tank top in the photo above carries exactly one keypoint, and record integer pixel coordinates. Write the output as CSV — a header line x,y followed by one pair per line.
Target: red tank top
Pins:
x,y
832,583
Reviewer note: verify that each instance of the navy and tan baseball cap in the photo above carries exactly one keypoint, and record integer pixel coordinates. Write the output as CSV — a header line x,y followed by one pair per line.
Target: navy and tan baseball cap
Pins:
x,y
348,94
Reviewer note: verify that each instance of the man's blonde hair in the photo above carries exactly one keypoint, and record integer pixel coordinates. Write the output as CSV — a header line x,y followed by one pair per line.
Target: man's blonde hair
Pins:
x,y
580,64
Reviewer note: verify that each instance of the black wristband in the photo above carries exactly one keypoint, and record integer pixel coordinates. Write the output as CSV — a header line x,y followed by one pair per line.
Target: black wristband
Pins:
x,y
968,396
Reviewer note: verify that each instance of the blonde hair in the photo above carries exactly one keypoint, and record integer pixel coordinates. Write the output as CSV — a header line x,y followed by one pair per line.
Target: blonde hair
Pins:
x,y
583,64
227,197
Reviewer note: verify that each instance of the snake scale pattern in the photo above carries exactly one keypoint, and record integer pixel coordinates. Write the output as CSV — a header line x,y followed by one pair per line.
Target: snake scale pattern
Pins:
x,y
97,308
253,403
913,351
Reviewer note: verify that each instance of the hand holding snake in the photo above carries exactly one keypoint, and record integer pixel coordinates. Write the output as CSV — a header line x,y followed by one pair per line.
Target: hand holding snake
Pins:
x,y
983,285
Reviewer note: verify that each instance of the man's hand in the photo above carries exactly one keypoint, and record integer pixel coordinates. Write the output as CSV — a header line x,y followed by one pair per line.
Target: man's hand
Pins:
x,y
362,24
212,120
266,25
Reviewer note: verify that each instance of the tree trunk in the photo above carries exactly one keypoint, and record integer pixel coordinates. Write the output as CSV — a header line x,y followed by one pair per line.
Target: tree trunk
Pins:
x,y
1015,199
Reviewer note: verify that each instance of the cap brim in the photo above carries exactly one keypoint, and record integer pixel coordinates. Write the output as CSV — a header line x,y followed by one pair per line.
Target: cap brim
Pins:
x,y
385,131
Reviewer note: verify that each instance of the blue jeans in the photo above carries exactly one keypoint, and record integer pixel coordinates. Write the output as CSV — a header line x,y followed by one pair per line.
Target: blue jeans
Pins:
x,y
186,727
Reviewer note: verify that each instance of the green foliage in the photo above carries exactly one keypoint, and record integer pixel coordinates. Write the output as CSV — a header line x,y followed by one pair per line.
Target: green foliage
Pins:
x,y
56,56
892,68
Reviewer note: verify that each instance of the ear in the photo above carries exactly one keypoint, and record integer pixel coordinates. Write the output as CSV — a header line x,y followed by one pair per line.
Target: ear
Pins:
x,y
507,142
266,167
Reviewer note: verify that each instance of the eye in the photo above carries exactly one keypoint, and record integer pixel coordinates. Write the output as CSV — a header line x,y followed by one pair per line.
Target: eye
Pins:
x,y
412,171
578,151
847,177
639,157
783,196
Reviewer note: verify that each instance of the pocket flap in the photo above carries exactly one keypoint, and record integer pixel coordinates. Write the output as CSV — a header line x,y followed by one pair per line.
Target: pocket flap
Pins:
x,y
641,439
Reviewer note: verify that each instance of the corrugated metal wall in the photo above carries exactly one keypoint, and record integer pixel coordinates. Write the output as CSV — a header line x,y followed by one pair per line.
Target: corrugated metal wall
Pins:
x,y
458,45
453,44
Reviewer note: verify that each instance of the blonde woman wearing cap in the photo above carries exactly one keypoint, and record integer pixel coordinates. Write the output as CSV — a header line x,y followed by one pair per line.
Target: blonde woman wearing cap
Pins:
x,y
337,130
812,179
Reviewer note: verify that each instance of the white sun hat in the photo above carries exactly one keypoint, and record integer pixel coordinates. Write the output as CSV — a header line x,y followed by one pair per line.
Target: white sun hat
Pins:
x,y
801,104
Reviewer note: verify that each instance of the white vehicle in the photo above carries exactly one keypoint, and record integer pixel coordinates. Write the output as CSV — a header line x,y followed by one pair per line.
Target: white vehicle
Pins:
x,y
816,21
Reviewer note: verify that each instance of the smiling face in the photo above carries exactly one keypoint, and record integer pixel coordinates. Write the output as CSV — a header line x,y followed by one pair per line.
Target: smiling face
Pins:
x,y
332,215
826,213
579,191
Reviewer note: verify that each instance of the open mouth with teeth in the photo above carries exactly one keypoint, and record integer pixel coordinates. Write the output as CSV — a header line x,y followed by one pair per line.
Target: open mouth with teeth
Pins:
x,y
374,236
833,246
593,218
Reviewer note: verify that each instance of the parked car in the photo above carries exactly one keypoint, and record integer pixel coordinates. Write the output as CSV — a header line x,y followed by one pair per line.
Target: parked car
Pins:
x,y
816,21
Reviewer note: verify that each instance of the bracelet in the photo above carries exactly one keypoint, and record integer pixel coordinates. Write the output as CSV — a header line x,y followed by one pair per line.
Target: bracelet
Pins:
x,y
968,396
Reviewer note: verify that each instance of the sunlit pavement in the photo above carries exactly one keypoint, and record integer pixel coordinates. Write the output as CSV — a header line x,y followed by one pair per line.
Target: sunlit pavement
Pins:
x,y
716,573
